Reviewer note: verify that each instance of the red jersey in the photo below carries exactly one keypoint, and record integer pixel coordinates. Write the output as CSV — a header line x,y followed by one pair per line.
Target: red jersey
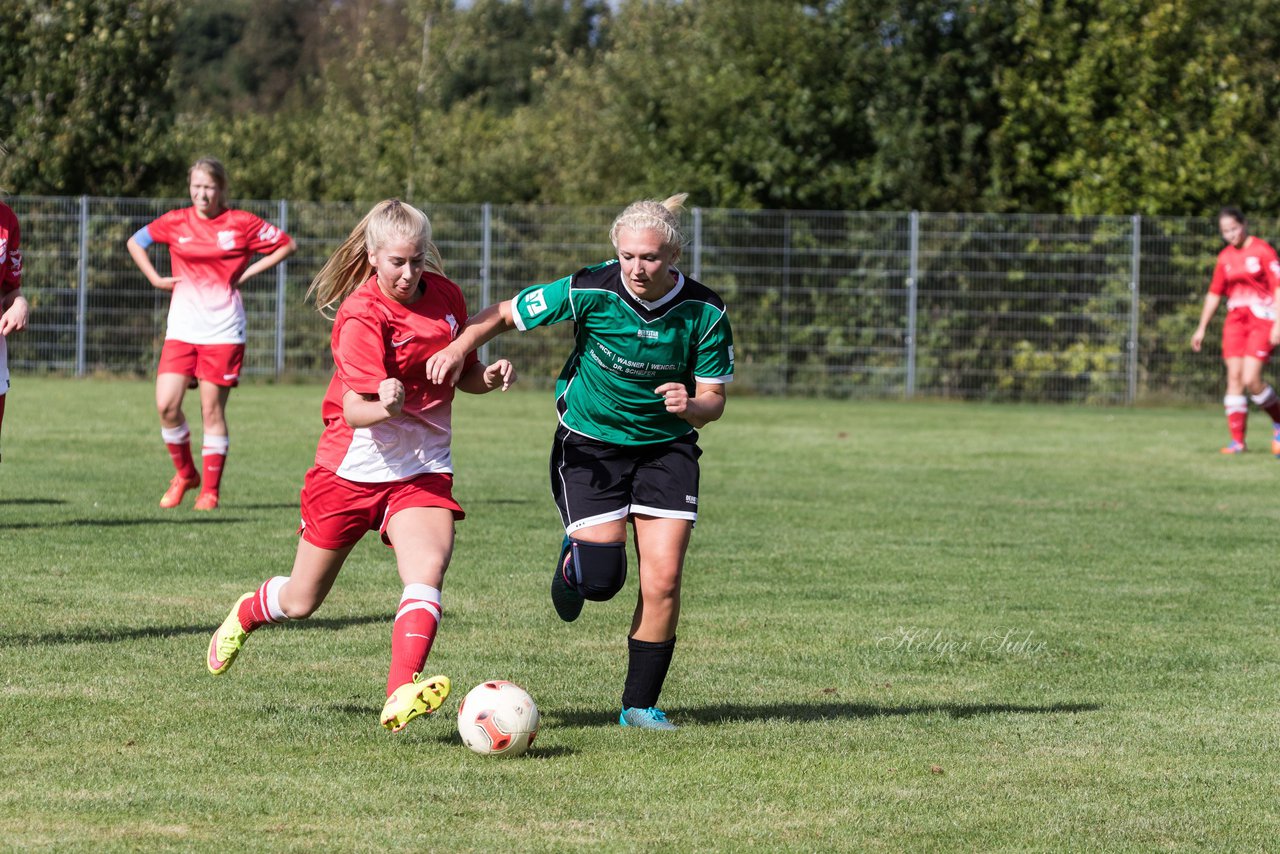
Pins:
x,y
1249,277
10,250
208,255
375,338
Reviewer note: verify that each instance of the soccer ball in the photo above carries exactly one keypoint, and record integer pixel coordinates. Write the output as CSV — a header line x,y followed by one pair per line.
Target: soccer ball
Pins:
x,y
498,718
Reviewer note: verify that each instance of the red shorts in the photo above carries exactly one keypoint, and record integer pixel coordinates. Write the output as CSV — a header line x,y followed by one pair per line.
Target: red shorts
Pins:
x,y
337,512
215,363
1246,334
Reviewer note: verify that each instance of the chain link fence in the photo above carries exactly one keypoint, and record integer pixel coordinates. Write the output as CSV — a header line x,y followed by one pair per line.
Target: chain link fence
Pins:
x,y
841,304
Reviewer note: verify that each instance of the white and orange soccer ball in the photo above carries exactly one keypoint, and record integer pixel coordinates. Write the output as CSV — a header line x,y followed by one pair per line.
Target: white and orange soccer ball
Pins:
x,y
498,718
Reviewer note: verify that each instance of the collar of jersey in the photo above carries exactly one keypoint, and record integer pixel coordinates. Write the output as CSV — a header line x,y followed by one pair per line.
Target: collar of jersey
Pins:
x,y
658,303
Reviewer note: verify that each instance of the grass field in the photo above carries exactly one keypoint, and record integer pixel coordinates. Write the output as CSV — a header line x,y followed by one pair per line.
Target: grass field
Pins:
x,y
920,626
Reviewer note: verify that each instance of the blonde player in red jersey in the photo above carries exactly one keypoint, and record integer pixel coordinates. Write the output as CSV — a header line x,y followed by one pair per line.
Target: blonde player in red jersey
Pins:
x,y
383,462
14,309
1248,273
212,248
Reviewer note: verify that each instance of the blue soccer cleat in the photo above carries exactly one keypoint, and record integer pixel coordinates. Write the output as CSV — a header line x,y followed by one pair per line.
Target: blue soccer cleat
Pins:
x,y
650,718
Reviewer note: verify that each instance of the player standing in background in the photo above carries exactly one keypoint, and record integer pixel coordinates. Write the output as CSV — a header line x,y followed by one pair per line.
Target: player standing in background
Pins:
x,y
653,351
211,246
1248,272
13,305
383,463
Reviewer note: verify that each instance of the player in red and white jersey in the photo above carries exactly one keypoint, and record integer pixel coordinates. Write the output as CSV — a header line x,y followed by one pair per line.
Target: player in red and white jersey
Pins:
x,y
14,309
383,462
212,248
1248,274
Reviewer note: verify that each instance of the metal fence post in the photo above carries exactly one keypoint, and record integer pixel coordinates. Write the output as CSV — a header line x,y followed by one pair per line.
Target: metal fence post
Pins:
x,y
1135,279
786,299
82,288
282,282
486,260
697,245
913,275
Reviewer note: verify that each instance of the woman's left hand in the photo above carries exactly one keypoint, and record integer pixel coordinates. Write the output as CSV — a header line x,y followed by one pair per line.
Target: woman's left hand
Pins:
x,y
501,374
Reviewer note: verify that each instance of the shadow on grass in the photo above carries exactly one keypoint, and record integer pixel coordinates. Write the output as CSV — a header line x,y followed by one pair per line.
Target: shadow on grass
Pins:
x,y
822,710
92,634
124,523
17,502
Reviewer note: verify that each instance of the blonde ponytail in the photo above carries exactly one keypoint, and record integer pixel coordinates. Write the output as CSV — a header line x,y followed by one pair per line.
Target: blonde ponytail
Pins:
x,y
348,268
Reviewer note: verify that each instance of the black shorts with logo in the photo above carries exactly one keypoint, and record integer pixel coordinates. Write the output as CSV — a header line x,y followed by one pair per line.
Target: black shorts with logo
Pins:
x,y
595,482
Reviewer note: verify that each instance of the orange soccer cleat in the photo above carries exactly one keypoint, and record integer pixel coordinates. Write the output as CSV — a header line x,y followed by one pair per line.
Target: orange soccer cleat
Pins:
x,y
177,488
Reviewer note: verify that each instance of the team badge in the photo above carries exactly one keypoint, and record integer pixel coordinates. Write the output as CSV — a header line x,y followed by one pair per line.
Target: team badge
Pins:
x,y
227,240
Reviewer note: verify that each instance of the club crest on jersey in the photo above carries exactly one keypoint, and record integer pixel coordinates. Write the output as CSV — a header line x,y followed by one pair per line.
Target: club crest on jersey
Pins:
x,y
227,240
1252,264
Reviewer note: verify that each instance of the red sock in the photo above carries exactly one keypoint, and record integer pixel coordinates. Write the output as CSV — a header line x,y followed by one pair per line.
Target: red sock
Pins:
x,y
1237,408
178,441
1236,424
214,456
263,606
413,633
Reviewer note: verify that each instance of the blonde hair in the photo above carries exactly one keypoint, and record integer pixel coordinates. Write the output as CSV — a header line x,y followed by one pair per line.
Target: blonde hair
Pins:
x,y
348,268
214,169
651,214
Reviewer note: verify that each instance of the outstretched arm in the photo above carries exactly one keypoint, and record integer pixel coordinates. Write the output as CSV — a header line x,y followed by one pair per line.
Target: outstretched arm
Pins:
x,y
481,379
446,364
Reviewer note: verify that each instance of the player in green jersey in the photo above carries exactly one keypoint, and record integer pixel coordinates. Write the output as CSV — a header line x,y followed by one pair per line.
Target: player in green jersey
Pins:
x,y
653,352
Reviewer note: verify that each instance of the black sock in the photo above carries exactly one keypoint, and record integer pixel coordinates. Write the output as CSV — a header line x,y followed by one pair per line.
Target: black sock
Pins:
x,y
646,671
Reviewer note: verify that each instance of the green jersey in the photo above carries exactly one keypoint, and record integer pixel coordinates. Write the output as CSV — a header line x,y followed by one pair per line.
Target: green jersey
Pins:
x,y
624,348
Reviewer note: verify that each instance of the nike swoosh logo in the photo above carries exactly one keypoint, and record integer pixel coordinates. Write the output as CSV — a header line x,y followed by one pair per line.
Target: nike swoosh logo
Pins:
x,y
412,635
184,239
402,343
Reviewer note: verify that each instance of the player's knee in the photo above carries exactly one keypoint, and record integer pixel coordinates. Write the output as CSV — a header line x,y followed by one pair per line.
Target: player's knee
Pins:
x,y
599,569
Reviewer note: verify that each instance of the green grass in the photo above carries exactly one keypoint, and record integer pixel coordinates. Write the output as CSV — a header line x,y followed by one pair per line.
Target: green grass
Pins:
x,y
840,678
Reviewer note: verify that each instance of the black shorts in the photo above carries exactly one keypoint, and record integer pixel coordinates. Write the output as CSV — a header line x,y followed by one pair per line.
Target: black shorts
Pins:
x,y
595,482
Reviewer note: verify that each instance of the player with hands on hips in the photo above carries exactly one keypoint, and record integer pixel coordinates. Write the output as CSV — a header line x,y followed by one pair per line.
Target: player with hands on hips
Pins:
x,y
652,356
212,248
1248,274
14,309
383,462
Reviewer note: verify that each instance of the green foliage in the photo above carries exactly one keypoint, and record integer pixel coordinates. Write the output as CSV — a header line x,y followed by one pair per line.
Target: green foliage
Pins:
x,y
1157,107
85,108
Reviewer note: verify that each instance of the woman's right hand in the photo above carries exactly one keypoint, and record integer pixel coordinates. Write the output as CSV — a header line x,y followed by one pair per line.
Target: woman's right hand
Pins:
x,y
1197,338
391,395
165,283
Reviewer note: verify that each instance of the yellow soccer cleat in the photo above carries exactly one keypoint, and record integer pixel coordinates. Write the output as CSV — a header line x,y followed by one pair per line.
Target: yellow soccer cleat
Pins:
x,y
419,697
226,642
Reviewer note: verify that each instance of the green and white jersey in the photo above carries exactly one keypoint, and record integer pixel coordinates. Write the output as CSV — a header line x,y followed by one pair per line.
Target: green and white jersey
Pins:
x,y
624,348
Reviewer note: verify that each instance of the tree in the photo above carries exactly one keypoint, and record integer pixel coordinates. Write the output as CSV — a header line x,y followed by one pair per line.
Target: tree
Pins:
x,y
85,105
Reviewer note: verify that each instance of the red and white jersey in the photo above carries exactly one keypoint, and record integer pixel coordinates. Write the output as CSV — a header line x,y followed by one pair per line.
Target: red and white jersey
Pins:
x,y
10,250
374,338
208,255
1249,277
